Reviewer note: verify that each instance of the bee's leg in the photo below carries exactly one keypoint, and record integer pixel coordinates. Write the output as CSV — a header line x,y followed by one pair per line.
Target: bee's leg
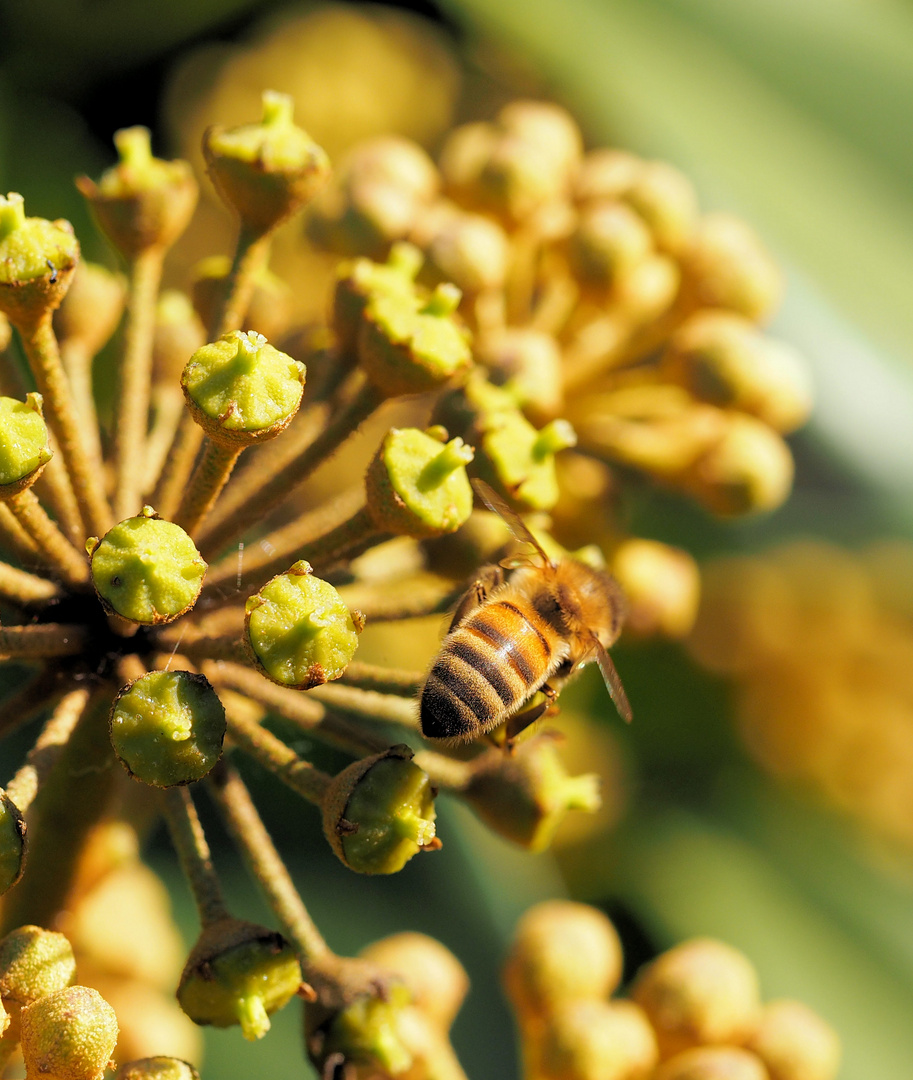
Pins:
x,y
490,577
520,721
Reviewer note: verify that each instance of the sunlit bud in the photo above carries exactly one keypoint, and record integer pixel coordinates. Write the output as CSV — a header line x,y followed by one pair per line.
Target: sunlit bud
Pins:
x,y
590,1039
795,1043
547,126
12,843
241,390
167,727
665,198
750,469
648,289
724,359
33,963
146,569
37,260
433,1057
525,796
24,446
358,281
266,171
470,250
178,334
528,361
436,980
269,311
662,585
700,992
606,174
562,951
69,1034
298,631
157,1068
141,202
712,1063
379,812
416,485
238,973
92,307
609,241
726,266
366,1035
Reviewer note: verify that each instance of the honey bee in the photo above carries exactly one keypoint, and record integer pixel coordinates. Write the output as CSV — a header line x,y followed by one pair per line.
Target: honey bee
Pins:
x,y
515,634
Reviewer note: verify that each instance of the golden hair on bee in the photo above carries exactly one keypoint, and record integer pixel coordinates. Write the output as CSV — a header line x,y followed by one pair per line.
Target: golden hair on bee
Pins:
x,y
516,633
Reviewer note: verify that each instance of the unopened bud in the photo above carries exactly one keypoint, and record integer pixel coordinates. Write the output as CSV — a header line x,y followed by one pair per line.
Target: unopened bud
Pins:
x,y
178,334
24,446
528,363
12,843
157,1068
606,174
795,1043
366,1034
594,1040
69,1034
470,250
713,1063
662,585
665,198
269,311
609,241
92,307
37,260
33,963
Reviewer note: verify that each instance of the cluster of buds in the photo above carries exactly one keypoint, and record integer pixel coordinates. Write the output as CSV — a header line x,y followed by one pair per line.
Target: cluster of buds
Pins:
x,y
521,280
813,637
694,1013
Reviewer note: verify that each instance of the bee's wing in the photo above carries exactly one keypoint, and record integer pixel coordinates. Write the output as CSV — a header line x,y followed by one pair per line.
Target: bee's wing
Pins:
x,y
612,681
510,517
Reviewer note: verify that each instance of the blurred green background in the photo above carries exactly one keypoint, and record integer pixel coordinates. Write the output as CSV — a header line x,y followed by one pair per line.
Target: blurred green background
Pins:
x,y
798,117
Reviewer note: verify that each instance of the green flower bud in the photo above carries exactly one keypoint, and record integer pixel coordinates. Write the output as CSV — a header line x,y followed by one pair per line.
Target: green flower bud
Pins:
x,y
519,461
266,171
406,347
713,1063
795,1043
417,484
298,631
37,260
379,812
12,843
367,1033
92,307
527,363
269,311
146,569
662,585
238,973
33,963
609,241
68,1035
562,951
24,447
437,982
241,390
141,202
700,992
524,796
749,470
157,1068
167,727
178,334
595,1040
357,282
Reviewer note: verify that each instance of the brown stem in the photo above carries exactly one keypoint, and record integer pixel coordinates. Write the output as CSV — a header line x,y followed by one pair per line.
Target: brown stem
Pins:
x,y
278,487
209,477
179,462
15,539
369,705
447,772
48,747
24,589
54,489
56,550
382,679
40,344
193,851
72,799
76,357
255,563
42,640
265,864
274,755
167,410
423,595
134,375
42,688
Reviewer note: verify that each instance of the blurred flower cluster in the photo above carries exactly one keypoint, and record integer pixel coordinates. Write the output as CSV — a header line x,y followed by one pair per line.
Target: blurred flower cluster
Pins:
x,y
280,478
818,641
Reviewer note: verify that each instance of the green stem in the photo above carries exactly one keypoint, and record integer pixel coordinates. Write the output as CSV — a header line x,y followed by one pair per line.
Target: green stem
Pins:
x,y
368,705
278,487
382,679
40,344
56,550
265,864
274,755
421,596
255,563
48,747
24,589
446,772
209,477
42,640
167,410
134,375
193,851
72,799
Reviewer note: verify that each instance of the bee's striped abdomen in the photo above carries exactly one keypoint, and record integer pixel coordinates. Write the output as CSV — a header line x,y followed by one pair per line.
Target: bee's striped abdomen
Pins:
x,y
489,665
